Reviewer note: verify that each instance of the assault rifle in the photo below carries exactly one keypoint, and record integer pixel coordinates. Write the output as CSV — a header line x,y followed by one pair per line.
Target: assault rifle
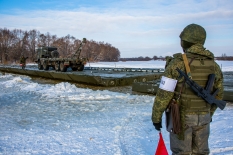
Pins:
x,y
204,93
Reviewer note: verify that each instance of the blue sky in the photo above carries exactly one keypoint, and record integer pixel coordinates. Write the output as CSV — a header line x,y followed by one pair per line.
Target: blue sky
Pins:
x,y
135,27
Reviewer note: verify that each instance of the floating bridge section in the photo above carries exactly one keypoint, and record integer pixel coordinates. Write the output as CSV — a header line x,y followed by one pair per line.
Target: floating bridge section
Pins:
x,y
151,87
144,80
101,76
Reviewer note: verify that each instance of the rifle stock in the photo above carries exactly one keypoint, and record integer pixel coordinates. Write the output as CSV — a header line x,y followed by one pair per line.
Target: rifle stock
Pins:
x,y
204,93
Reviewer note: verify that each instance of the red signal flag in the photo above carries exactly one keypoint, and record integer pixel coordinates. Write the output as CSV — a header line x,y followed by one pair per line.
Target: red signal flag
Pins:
x,y
161,148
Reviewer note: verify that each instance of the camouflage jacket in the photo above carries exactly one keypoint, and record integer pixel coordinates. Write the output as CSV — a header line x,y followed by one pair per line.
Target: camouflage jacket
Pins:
x,y
23,60
163,97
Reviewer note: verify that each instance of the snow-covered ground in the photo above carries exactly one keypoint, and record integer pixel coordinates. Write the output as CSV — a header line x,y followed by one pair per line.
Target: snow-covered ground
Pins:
x,y
64,119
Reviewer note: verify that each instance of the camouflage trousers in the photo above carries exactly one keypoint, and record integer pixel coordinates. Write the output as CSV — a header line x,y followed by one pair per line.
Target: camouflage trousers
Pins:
x,y
195,137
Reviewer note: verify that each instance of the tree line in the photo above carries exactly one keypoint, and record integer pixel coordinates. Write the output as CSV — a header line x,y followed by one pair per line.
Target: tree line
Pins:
x,y
15,43
223,57
141,58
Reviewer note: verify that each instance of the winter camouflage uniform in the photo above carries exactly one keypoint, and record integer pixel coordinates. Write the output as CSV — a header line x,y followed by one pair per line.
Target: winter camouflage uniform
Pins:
x,y
195,113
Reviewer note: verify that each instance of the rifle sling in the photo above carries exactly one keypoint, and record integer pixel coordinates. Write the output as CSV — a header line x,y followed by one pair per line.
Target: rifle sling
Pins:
x,y
187,69
187,65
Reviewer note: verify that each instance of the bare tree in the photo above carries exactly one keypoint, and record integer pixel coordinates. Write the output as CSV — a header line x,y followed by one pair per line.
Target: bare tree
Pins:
x,y
7,40
15,43
42,40
91,51
32,43
19,44
110,53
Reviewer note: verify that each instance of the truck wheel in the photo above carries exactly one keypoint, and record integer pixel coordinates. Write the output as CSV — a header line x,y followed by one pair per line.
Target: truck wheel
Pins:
x,y
63,68
45,65
80,68
57,66
40,67
74,68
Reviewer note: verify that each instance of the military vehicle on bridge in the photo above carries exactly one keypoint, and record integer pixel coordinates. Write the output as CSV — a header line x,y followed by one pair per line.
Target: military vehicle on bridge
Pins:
x,y
49,57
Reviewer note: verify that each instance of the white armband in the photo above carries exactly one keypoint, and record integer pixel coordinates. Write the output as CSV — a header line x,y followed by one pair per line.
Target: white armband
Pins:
x,y
167,84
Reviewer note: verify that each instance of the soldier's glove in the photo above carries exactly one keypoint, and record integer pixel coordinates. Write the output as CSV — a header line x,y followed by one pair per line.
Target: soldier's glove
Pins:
x,y
158,126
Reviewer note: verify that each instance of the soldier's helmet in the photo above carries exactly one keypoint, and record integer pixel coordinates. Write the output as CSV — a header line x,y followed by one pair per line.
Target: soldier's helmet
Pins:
x,y
193,33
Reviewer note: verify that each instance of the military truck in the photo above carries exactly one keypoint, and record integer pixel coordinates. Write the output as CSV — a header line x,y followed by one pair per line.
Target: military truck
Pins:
x,y
49,57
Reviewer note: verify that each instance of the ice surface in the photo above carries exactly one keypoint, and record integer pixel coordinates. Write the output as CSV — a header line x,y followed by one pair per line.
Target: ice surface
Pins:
x,y
64,119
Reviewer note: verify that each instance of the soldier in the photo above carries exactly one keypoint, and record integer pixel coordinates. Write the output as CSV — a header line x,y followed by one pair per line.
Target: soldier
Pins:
x,y
195,114
23,61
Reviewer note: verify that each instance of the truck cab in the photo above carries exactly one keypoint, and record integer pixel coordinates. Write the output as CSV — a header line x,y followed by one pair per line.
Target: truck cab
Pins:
x,y
45,52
